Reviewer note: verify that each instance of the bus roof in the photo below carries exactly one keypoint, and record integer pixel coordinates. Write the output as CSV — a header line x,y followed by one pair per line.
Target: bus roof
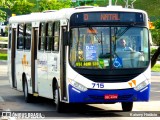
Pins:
x,y
66,13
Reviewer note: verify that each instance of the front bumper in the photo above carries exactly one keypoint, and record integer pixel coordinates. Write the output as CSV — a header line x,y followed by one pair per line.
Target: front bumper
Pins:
x,y
97,96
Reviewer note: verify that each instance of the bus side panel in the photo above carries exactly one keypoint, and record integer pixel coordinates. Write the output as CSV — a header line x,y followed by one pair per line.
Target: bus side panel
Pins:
x,y
27,68
19,68
53,70
42,74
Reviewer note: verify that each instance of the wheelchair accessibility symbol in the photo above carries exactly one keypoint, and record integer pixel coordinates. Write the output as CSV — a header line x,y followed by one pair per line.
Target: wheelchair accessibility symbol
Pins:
x,y
117,62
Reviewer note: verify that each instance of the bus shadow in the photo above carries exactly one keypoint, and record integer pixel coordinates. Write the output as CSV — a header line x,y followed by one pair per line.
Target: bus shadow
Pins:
x,y
48,108
77,110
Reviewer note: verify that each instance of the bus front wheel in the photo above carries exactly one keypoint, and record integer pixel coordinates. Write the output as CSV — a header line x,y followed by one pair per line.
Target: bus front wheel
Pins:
x,y
127,106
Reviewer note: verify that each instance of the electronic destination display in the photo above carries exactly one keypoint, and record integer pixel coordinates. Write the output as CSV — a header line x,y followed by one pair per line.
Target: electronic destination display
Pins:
x,y
107,17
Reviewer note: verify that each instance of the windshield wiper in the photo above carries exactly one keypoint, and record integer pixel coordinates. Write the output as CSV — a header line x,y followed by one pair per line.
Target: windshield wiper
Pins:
x,y
122,33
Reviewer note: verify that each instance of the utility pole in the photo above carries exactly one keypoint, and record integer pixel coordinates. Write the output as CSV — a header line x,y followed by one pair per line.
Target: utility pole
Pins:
x,y
110,2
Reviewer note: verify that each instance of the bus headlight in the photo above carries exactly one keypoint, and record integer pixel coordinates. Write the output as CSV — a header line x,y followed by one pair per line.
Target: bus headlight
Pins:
x,y
141,85
78,85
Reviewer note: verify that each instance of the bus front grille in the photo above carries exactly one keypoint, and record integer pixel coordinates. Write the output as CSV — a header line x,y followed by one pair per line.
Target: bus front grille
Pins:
x,y
110,78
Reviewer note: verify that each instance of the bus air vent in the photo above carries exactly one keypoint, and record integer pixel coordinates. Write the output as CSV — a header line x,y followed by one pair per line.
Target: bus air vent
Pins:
x,y
84,7
46,11
110,78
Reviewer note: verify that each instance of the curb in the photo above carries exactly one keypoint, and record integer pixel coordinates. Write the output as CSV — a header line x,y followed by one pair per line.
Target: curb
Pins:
x,y
3,61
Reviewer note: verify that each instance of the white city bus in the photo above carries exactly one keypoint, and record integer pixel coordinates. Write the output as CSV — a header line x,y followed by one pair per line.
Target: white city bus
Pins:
x,y
71,56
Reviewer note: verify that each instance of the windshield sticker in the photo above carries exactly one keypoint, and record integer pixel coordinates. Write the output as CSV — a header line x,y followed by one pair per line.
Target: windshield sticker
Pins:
x,y
87,64
117,63
103,63
91,52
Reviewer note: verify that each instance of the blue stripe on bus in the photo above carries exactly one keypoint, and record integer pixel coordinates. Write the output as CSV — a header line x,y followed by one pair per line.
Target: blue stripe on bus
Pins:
x,y
97,96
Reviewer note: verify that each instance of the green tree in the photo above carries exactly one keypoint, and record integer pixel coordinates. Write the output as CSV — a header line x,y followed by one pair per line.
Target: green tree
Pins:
x,y
3,10
17,6
3,15
22,7
156,40
53,4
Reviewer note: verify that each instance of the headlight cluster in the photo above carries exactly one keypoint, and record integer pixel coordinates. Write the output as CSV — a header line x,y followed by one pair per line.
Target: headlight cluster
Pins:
x,y
78,85
141,85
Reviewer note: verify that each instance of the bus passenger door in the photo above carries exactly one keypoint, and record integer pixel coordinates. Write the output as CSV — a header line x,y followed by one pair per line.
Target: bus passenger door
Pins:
x,y
13,55
63,65
34,59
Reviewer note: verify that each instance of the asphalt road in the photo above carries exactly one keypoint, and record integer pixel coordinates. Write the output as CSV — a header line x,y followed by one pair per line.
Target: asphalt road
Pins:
x,y
13,100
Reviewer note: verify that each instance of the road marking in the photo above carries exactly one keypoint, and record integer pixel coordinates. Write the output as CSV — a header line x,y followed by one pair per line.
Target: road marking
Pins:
x,y
1,99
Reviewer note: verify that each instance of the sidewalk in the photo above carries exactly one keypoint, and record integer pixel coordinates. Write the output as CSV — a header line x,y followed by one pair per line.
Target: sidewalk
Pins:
x,y
3,62
4,80
158,62
3,68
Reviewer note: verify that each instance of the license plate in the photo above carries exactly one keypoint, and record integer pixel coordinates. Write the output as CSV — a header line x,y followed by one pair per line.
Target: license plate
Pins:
x,y
111,96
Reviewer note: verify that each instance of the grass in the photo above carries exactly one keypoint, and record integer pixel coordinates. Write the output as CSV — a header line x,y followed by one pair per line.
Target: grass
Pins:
x,y
156,68
3,56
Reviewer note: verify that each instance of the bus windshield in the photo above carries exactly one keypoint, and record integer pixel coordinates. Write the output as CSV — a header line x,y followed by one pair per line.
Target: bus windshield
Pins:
x,y
109,47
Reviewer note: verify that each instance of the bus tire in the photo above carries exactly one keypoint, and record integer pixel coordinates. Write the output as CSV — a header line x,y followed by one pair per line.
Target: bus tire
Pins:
x,y
56,97
27,96
127,106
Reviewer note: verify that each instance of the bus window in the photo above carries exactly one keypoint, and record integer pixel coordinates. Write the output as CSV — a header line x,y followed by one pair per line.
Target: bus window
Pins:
x,y
49,38
20,38
27,43
56,36
42,36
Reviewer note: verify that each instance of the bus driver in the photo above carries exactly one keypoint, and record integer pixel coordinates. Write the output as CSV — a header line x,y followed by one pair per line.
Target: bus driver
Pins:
x,y
122,46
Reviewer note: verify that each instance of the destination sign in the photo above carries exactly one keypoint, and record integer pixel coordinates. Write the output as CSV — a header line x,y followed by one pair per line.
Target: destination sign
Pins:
x,y
102,17
112,17
107,17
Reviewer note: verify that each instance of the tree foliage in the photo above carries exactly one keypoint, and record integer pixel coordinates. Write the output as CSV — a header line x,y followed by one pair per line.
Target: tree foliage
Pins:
x,y
156,40
22,7
3,15
53,4
16,6
156,33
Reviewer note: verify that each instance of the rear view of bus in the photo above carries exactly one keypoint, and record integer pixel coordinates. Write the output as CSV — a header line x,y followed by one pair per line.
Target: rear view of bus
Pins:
x,y
98,71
